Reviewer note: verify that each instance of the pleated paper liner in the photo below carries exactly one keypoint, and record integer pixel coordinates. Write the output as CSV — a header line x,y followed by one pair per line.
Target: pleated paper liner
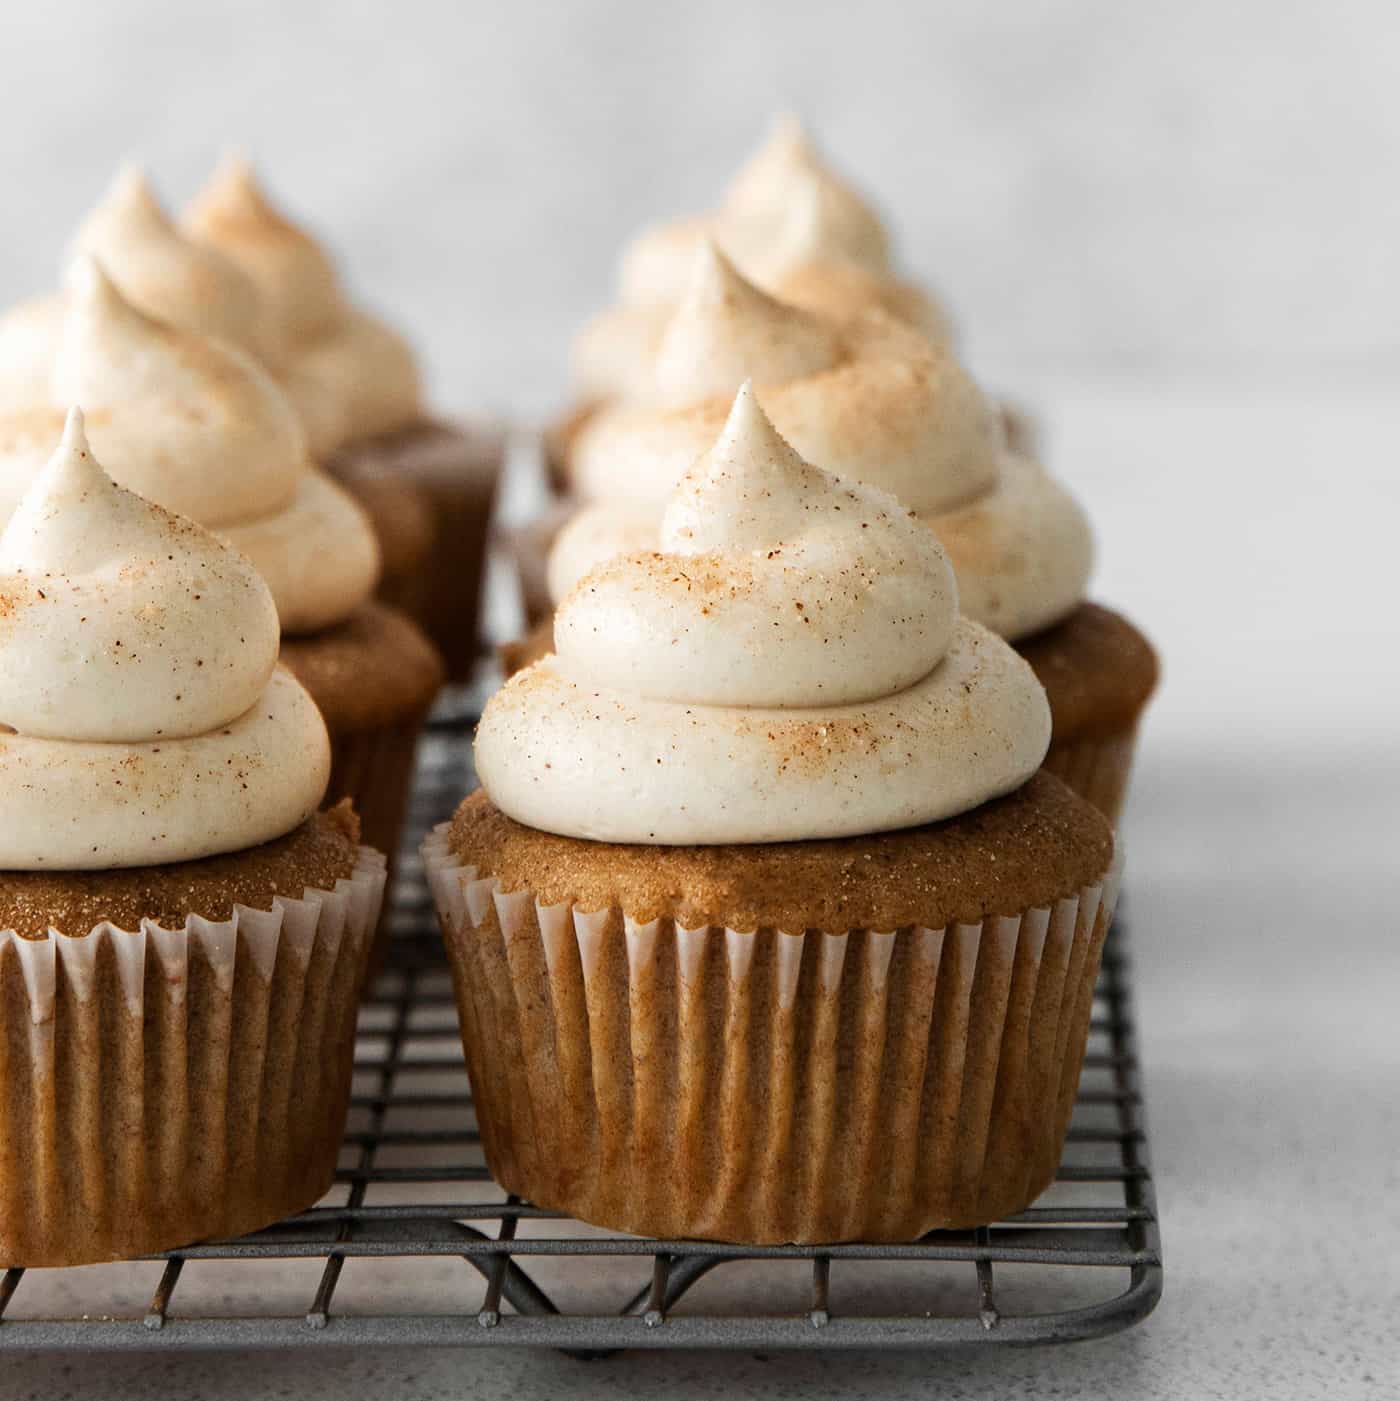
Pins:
x,y
165,1086
769,1087
1097,767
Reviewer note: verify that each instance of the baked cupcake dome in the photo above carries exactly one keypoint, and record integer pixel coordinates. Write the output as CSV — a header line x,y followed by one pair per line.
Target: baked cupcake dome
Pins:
x,y
182,938
762,881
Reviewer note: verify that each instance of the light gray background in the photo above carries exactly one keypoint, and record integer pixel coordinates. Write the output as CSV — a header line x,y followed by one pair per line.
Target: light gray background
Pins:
x,y
1160,185
1171,226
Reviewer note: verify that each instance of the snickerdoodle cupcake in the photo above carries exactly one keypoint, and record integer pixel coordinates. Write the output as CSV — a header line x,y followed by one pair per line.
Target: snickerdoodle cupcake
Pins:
x,y
356,383
199,427
871,399
182,936
764,925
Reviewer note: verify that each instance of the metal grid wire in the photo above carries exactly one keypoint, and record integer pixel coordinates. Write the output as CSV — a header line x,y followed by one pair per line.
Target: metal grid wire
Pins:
x,y
414,1199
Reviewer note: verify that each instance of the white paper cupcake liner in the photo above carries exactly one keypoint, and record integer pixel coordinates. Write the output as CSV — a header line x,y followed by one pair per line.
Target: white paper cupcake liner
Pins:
x,y
769,1087
162,1086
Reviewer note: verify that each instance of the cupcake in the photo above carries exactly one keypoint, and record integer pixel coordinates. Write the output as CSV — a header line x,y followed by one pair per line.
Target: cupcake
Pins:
x,y
764,926
356,385
200,428
182,935
871,399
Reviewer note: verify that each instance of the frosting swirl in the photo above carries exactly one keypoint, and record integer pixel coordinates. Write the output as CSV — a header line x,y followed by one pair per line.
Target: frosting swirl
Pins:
x,y
789,665
862,397
349,375
144,717
168,275
196,425
293,274
866,398
795,228
159,270
655,267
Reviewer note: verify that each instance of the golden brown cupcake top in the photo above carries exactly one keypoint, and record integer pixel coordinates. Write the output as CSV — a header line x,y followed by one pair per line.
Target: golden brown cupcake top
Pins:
x,y
314,856
1033,847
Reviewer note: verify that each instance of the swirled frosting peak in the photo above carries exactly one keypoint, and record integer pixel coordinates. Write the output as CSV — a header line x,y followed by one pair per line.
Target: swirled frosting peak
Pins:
x,y
293,273
165,273
349,375
791,224
142,715
196,425
863,396
787,586
788,664
788,167
726,331
169,408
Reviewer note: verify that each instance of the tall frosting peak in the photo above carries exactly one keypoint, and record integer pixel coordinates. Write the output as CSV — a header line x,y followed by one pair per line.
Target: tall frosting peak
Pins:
x,y
165,273
776,584
234,193
168,407
294,274
196,425
122,621
749,492
812,230
785,168
130,202
143,717
788,664
726,331
349,375
786,149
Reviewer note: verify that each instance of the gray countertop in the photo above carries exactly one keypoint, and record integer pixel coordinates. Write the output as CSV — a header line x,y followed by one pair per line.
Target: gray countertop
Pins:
x,y
1263,888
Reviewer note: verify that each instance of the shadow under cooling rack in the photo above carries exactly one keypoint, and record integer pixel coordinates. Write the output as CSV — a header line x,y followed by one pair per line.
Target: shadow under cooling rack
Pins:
x,y
416,1245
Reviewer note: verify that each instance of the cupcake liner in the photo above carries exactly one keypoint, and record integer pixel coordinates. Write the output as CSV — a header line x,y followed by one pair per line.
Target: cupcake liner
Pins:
x,y
163,1086
374,769
1096,767
769,1087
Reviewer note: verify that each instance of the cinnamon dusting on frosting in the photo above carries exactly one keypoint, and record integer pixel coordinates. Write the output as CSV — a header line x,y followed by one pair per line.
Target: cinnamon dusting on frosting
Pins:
x,y
789,665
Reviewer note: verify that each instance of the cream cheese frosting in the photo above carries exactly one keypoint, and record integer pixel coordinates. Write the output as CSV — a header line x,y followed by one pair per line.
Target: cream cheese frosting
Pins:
x,y
655,267
349,375
863,397
159,270
856,396
789,664
199,427
165,273
795,228
143,717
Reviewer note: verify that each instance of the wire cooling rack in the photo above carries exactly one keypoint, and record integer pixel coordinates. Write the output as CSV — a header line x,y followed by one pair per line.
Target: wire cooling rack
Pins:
x,y
416,1244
